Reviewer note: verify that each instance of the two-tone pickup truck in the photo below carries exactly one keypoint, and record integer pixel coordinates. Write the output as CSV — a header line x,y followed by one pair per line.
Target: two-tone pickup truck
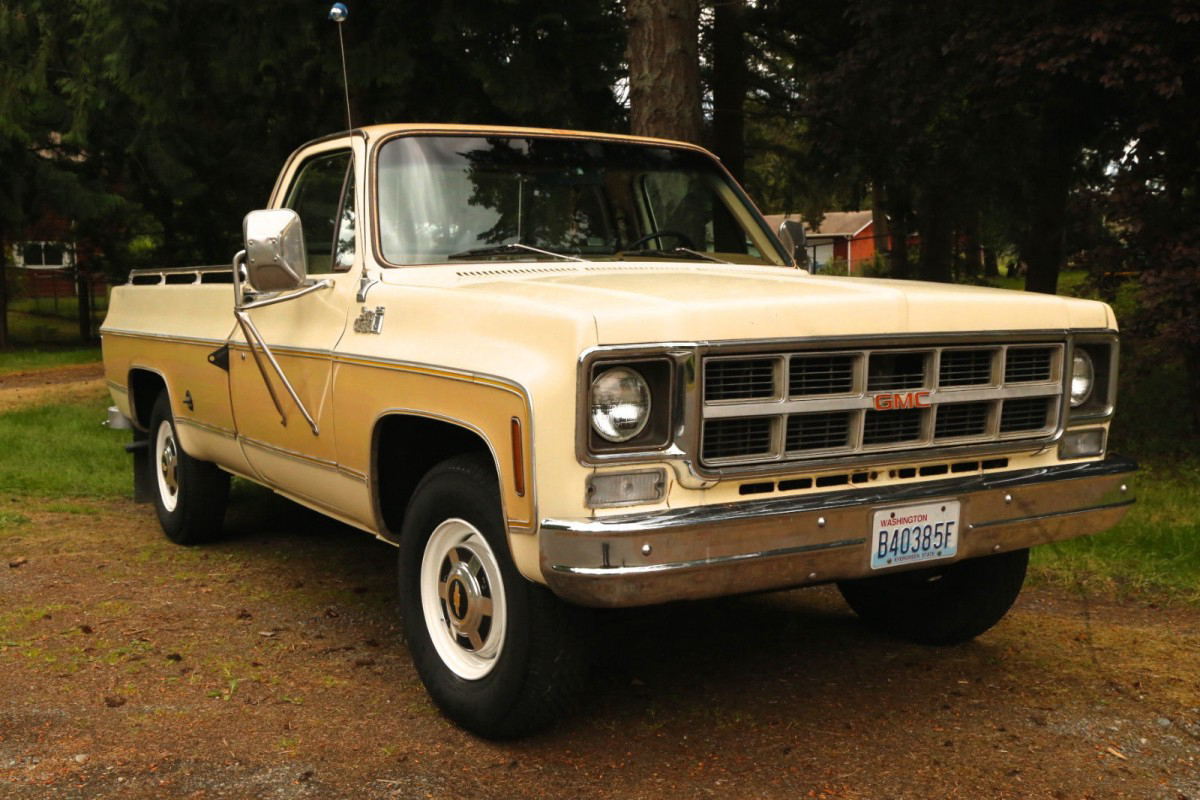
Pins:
x,y
560,369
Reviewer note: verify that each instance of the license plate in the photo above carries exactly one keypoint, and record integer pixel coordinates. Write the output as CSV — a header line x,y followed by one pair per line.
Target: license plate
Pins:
x,y
913,534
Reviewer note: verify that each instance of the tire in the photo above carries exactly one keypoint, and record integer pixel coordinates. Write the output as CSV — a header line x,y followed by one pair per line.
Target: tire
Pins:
x,y
500,656
189,495
941,605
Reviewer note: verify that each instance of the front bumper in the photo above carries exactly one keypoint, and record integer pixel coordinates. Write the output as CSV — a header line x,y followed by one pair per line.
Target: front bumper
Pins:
x,y
710,551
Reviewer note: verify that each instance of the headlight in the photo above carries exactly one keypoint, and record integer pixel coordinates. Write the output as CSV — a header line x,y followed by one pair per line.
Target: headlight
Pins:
x,y
1083,377
620,404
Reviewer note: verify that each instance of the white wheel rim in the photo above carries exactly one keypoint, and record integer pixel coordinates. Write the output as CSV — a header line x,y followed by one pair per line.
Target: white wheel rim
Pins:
x,y
166,460
462,598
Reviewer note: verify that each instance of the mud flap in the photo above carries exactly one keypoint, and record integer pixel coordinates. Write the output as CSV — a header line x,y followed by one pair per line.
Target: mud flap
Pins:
x,y
143,479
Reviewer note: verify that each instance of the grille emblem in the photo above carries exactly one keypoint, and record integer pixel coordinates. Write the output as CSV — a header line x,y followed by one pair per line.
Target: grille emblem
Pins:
x,y
894,401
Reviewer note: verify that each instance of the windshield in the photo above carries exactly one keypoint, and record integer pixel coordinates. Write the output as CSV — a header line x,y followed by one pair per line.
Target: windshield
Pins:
x,y
450,198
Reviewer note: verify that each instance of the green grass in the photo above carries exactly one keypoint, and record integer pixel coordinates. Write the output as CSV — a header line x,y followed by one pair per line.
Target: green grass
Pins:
x,y
62,450
1154,551
41,357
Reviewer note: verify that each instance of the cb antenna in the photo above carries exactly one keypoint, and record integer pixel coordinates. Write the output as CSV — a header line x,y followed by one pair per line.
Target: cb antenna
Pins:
x,y
338,14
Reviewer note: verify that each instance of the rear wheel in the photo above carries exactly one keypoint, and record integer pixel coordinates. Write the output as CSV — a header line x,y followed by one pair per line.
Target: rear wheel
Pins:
x,y
189,495
498,654
940,605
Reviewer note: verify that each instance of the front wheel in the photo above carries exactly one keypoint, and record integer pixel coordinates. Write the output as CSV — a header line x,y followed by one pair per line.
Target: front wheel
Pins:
x,y
189,495
498,654
940,605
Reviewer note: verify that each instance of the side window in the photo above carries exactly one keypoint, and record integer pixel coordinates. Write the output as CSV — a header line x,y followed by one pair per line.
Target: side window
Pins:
x,y
323,196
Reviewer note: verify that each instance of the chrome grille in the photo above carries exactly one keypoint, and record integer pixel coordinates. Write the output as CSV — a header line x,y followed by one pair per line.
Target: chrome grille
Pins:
x,y
778,406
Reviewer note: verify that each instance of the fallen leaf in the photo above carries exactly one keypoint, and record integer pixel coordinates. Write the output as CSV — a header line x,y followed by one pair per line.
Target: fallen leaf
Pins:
x,y
18,562
1117,753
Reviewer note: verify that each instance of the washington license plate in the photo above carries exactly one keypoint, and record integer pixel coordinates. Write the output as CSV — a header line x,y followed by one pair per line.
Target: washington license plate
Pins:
x,y
912,534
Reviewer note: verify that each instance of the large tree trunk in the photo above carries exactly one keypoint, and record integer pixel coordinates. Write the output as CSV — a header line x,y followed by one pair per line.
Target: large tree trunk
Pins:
x,y
900,211
729,85
1043,243
936,244
664,68
879,219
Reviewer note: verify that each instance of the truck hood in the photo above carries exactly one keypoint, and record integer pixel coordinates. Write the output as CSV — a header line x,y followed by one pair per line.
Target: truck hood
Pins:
x,y
639,302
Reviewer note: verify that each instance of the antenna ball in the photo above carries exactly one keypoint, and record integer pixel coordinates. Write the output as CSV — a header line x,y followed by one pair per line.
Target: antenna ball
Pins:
x,y
339,12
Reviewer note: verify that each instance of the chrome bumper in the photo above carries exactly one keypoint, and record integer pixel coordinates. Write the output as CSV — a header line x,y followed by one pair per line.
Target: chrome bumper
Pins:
x,y
710,551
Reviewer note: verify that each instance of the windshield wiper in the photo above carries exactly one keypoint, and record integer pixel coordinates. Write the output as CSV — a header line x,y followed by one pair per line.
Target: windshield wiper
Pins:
x,y
508,249
674,252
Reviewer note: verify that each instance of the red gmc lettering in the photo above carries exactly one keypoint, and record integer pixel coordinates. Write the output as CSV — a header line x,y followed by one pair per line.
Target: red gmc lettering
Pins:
x,y
888,402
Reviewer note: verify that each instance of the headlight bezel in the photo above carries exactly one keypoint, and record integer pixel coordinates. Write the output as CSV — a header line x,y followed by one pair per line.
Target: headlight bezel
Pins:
x,y
659,371
1102,350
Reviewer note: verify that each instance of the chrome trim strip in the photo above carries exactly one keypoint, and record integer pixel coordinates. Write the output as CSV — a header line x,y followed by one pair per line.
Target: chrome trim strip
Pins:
x,y
1056,515
164,337
204,426
729,513
650,569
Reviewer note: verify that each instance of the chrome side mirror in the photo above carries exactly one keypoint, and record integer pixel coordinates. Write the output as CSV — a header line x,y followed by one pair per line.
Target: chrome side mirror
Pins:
x,y
791,233
275,254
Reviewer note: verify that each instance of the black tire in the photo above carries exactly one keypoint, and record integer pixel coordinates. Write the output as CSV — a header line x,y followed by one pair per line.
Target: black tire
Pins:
x,y
506,659
189,495
940,605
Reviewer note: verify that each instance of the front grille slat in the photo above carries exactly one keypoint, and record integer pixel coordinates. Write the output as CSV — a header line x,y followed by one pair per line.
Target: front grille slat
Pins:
x,y
737,438
816,375
892,427
773,407
1024,414
1028,364
887,371
748,379
806,432
956,420
966,368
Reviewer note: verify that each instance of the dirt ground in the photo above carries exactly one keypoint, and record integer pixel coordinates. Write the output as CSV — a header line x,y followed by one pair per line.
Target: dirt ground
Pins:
x,y
270,665
20,389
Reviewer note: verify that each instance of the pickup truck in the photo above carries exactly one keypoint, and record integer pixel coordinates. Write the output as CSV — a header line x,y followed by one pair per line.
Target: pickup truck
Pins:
x,y
560,369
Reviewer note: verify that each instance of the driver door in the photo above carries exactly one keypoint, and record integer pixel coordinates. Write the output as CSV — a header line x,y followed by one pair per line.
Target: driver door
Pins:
x,y
283,449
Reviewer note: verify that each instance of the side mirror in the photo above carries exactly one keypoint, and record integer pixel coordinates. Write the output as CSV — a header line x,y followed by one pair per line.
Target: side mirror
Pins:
x,y
275,254
791,233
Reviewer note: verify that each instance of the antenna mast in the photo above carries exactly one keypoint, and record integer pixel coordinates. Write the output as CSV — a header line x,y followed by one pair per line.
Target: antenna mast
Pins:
x,y
338,14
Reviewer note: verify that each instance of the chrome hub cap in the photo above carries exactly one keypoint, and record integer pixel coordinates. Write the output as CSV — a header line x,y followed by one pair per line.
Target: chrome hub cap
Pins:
x,y
462,598
168,466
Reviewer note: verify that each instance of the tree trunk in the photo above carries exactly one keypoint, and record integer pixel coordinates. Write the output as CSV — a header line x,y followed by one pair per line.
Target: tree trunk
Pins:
x,y
991,269
83,292
879,220
973,250
1043,244
4,343
729,85
664,68
936,244
900,212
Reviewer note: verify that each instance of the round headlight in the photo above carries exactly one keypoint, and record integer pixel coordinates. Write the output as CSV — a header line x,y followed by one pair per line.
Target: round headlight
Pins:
x,y
620,404
1083,377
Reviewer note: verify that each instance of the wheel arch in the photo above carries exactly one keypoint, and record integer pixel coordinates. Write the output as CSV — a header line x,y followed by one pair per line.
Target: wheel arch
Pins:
x,y
144,384
405,446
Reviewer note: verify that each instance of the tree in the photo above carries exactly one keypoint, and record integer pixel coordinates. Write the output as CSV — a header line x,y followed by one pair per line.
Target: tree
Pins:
x,y
664,69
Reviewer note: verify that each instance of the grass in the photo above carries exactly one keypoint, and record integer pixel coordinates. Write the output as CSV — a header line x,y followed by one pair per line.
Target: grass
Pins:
x,y
62,450
1154,551
43,357
42,320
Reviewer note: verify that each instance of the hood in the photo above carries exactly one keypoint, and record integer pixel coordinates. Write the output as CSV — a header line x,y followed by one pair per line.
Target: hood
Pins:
x,y
641,302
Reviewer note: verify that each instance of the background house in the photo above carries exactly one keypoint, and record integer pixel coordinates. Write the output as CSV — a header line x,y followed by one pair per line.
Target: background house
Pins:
x,y
845,236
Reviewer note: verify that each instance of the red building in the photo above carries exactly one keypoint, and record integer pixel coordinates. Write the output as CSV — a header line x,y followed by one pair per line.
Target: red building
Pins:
x,y
844,236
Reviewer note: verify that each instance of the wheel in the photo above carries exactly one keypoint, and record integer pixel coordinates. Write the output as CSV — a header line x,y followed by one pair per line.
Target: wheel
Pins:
x,y
684,239
190,495
500,656
940,605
